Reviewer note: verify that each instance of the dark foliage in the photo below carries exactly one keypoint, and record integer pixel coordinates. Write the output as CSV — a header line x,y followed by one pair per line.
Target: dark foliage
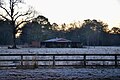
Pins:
x,y
5,33
90,33
37,30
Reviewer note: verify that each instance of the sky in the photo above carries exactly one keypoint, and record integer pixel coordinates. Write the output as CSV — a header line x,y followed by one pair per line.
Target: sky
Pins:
x,y
66,11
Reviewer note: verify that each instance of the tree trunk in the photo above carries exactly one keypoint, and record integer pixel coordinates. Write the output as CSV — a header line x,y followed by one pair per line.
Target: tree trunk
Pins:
x,y
14,36
14,40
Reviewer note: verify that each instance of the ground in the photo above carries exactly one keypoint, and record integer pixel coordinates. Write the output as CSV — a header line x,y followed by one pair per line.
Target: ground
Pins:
x,y
91,50
61,74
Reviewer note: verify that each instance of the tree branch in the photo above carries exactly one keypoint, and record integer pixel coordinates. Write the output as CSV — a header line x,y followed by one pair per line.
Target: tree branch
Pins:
x,y
15,1
21,23
5,10
22,15
4,17
15,14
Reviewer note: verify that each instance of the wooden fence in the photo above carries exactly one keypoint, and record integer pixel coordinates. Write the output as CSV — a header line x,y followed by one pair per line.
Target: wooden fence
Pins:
x,y
83,61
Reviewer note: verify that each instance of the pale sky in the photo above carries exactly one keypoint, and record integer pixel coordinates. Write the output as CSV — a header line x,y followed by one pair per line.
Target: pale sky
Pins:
x,y
66,11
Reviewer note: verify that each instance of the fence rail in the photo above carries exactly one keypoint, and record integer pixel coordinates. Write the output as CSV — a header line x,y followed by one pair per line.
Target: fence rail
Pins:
x,y
84,60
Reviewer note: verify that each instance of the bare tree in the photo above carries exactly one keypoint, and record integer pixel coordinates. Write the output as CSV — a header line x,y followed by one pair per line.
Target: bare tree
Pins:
x,y
13,12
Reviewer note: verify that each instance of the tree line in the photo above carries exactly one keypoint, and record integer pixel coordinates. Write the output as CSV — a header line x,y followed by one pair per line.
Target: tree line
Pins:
x,y
90,32
14,20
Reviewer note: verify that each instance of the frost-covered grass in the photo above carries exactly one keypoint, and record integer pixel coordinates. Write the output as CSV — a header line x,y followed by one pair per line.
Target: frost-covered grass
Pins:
x,y
61,74
91,50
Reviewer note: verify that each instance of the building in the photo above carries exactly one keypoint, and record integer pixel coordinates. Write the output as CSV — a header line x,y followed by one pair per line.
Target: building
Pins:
x,y
60,43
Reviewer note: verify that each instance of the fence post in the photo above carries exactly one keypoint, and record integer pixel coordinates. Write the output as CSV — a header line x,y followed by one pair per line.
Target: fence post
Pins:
x,y
21,60
84,60
53,60
116,61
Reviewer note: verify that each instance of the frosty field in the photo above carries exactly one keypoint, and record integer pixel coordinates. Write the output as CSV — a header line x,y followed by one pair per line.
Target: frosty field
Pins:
x,y
91,50
62,73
